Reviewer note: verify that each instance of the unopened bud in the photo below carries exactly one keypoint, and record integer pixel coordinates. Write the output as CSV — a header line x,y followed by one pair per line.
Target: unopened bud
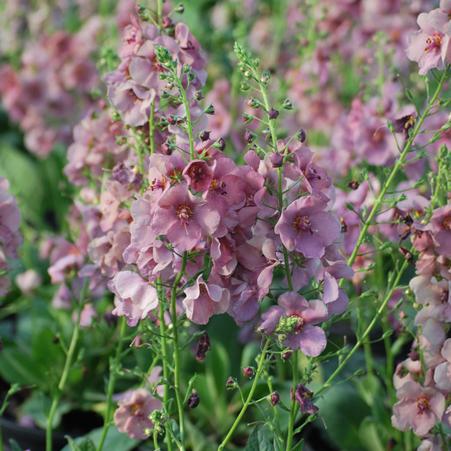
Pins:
x,y
274,398
180,8
276,160
248,372
249,136
287,105
302,136
353,184
405,253
286,355
231,383
193,400
273,114
203,346
205,135
210,109
220,144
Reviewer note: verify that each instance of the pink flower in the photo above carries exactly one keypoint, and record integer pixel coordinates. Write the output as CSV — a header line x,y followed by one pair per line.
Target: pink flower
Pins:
x,y
430,47
296,317
198,175
440,226
418,408
203,300
184,219
132,414
442,373
305,227
135,297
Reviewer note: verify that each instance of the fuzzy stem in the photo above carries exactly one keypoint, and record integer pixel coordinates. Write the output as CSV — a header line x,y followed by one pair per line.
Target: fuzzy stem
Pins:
x,y
189,122
177,387
398,165
159,12
248,400
164,359
368,330
152,129
112,383
294,407
67,365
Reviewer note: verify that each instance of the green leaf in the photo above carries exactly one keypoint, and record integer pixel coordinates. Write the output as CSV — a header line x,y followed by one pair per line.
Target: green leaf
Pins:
x,y
260,440
115,441
370,435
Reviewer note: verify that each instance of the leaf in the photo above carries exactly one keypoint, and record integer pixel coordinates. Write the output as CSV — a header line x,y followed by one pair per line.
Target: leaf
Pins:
x,y
14,445
84,445
115,441
370,436
260,440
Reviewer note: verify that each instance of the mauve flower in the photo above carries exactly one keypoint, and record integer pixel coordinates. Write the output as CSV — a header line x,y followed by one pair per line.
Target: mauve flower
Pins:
x,y
430,47
442,372
184,219
440,227
135,298
203,300
418,408
198,175
133,412
296,317
305,227
303,397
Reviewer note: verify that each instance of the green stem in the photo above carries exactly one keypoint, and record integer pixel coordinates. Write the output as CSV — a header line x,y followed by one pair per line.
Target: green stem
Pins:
x,y
189,122
248,400
368,330
114,364
152,129
67,365
398,165
267,105
164,359
294,406
177,388
159,12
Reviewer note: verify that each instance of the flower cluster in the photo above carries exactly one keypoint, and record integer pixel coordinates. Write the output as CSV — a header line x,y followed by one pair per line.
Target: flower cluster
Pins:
x,y
51,90
10,237
423,380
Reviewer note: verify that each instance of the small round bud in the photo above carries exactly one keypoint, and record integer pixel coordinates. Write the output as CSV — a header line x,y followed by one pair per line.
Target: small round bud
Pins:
x,y
210,109
287,105
180,8
248,372
273,114
405,253
56,339
302,136
276,160
286,355
230,383
193,400
274,398
249,136
205,135
353,184
198,95
220,144
344,226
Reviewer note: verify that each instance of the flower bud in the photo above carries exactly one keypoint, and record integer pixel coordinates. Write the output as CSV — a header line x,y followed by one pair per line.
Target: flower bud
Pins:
x,y
273,114
210,109
180,8
249,136
405,253
220,144
353,184
302,136
287,105
286,355
203,346
231,383
205,135
274,398
276,160
193,400
248,372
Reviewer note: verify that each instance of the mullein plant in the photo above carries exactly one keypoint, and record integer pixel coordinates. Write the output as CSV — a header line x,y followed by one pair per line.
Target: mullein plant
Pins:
x,y
180,227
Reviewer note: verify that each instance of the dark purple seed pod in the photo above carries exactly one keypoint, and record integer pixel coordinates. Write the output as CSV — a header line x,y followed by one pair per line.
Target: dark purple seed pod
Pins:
x,y
302,136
